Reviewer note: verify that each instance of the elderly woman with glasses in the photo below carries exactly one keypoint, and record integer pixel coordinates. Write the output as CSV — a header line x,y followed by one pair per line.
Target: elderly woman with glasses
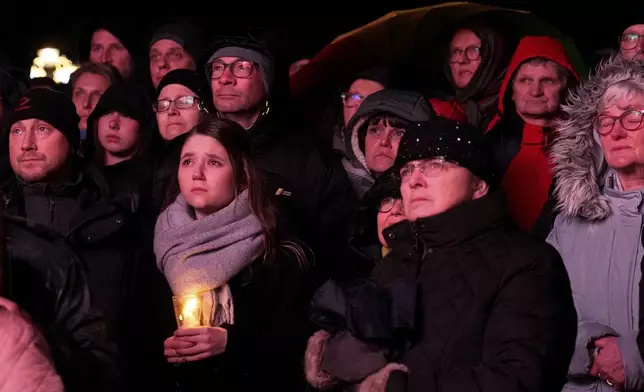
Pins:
x,y
183,99
599,167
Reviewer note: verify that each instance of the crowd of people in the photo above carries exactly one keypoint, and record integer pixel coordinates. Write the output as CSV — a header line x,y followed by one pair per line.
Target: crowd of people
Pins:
x,y
195,229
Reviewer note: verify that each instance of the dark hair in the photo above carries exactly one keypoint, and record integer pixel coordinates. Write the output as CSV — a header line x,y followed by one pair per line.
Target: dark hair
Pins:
x,y
130,101
390,120
237,143
95,152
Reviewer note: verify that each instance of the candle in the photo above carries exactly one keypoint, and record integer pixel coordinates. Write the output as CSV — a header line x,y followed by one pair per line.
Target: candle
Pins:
x,y
188,311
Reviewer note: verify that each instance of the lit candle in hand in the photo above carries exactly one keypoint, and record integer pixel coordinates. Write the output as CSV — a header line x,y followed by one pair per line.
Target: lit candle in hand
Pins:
x,y
189,312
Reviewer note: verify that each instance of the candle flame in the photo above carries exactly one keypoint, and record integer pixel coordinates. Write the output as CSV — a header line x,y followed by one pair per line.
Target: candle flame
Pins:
x,y
190,306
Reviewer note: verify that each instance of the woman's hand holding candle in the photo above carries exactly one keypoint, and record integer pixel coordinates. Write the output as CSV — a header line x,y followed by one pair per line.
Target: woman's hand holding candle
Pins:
x,y
195,344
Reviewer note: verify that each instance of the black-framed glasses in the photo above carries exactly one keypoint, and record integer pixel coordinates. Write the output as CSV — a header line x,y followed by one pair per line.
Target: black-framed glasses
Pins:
x,y
472,52
629,41
387,204
239,68
631,120
428,168
182,102
351,100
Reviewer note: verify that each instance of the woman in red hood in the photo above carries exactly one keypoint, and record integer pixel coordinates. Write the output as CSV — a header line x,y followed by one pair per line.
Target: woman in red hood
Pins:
x,y
537,82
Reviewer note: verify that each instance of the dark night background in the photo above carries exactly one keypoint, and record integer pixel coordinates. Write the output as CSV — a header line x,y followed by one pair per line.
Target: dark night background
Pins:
x,y
592,26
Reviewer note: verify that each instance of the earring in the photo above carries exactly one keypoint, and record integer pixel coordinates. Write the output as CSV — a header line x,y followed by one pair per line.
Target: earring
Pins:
x,y
202,107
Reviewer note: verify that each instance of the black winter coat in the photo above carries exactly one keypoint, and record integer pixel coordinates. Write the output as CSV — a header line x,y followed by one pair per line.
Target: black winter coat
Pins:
x,y
115,250
266,344
311,191
46,279
496,310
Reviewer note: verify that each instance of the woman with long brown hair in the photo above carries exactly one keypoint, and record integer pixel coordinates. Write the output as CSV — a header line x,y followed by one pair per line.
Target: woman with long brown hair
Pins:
x,y
217,241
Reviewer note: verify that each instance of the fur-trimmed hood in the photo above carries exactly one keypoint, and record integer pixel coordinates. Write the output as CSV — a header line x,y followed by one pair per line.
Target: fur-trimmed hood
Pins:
x,y
578,159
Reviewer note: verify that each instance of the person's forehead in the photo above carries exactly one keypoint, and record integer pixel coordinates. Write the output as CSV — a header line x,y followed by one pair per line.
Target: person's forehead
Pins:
x,y
229,59
464,36
174,90
30,122
618,97
418,161
203,144
635,29
546,67
365,85
91,79
105,37
165,45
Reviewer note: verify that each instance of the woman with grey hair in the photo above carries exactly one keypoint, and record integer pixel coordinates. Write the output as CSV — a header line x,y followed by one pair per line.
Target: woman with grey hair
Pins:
x,y
599,170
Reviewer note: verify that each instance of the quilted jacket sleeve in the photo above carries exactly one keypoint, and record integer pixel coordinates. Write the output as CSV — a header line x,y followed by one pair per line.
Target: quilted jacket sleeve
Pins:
x,y
24,353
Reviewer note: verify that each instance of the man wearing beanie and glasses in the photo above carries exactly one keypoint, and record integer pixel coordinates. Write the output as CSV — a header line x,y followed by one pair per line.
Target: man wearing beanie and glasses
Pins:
x,y
496,310
250,85
42,132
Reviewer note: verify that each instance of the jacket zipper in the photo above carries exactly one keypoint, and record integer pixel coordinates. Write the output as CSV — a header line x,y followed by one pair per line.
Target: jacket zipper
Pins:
x,y
51,209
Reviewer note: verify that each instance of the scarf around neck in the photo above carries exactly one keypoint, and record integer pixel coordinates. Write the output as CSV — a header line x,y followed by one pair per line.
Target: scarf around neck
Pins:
x,y
201,256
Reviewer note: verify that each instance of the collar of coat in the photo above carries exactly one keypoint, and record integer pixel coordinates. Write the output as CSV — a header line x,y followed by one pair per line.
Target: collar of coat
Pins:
x,y
460,224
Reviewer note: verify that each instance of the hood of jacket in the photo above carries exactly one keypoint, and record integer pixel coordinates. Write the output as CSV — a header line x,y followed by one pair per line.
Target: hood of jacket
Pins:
x,y
531,47
578,159
407,105
125,28
131,101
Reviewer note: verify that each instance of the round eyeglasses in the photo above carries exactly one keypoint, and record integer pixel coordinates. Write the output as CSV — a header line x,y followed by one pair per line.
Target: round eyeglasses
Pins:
x,y
182,102
387,204
630,120
472,53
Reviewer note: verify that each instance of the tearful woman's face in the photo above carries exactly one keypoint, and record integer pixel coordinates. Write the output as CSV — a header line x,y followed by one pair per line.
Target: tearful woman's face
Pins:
x,y
206,175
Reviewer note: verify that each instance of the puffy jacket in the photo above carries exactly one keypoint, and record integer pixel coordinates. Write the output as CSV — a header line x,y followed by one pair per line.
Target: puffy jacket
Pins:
x,y
495,310
26,365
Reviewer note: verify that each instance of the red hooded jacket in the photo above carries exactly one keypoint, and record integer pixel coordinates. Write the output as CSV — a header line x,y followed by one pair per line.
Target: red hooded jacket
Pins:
x,y
521,149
